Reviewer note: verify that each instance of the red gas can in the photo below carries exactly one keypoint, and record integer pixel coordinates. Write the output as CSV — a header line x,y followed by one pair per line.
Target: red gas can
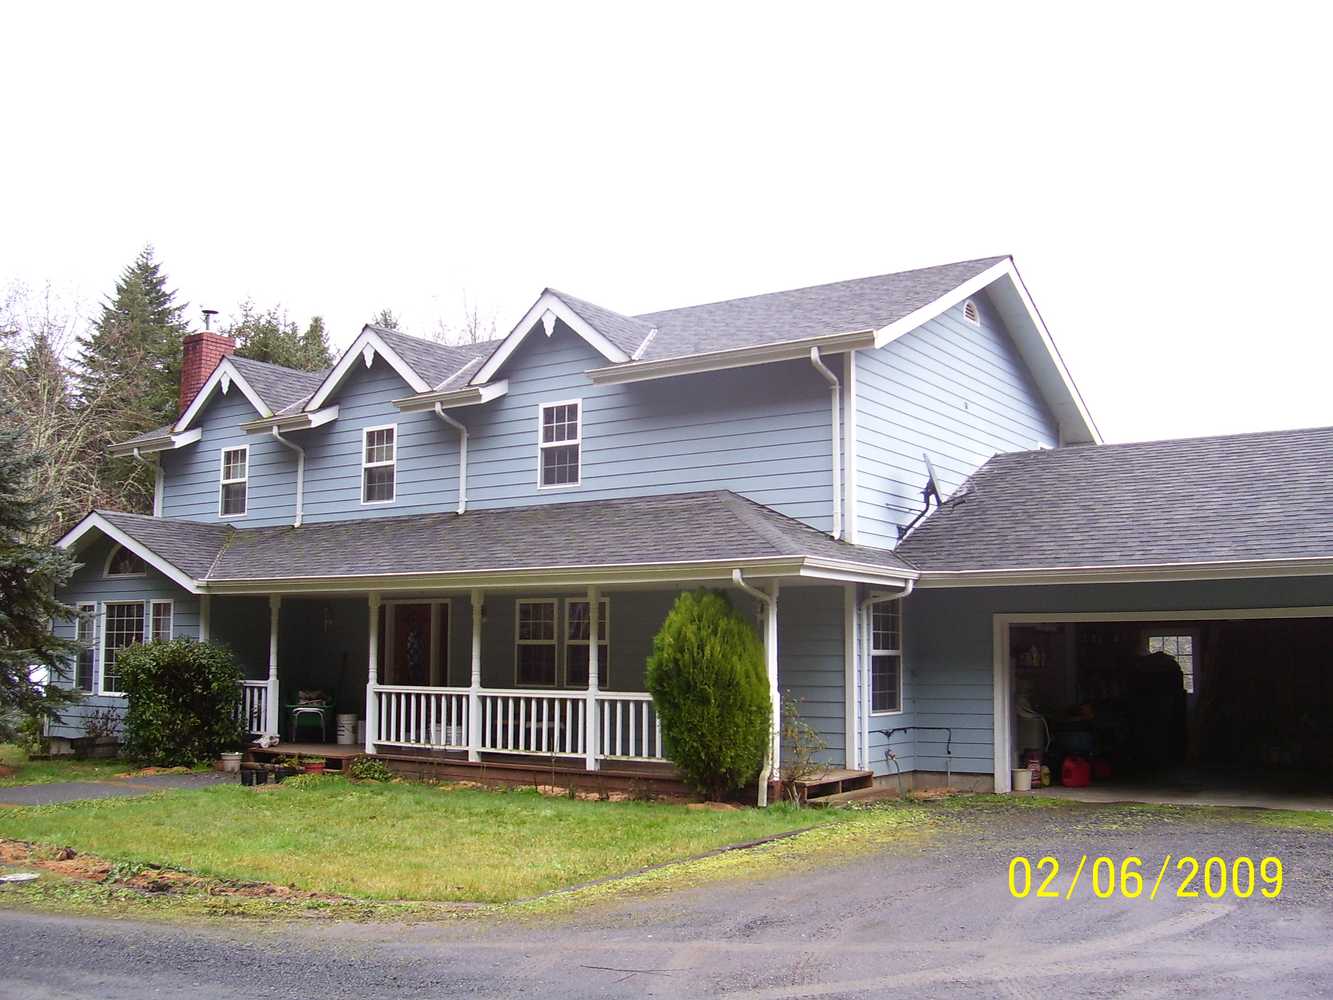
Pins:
x,y
1076,772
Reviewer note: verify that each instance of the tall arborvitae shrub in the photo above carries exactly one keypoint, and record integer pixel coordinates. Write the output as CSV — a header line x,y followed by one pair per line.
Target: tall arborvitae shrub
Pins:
x,y
184,701
706,676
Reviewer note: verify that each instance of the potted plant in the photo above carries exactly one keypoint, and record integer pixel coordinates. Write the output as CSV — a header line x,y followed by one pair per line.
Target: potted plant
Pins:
x,y
230,761
313,765
102,739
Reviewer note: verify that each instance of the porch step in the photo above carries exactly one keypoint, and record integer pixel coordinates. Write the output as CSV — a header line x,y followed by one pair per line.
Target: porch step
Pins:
x,y
871,794
835,781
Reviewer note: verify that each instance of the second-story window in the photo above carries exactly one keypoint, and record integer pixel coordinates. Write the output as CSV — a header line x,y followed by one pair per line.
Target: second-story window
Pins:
x,y
234,482
378,464
559,443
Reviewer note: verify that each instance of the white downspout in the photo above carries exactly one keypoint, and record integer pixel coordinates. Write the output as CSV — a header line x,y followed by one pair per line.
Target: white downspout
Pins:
x,y
874,598
462,455
769,603
159,481
835,389
300,474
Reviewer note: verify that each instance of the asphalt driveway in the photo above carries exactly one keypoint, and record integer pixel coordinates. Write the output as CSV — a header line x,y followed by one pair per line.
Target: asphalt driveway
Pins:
x,y
932,919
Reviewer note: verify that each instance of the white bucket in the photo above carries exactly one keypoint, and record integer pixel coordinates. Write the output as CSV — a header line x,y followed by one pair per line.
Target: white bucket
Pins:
x,y
360,732
231,762
345,727
1022,779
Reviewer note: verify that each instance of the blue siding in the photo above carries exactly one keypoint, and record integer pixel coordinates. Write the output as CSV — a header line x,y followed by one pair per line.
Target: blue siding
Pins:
x,y
89,586
811,648
948,635
958,392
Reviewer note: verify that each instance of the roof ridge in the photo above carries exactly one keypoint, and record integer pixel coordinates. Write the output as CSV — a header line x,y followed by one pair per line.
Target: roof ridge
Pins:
x,y
1123,445
821,284
321,373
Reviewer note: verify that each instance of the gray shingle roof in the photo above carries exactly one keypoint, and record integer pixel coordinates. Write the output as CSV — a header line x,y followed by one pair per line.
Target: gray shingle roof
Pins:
x,y
158,432
841,307
433,361
277,386
1216,499
190,546
690,527
625,332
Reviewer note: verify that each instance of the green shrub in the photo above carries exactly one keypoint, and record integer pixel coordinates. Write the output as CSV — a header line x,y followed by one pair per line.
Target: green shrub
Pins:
x,y
184,702
706,675
369,769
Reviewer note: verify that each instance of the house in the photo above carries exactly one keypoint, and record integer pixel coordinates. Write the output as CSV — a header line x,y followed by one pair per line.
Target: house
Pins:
x,y
434,534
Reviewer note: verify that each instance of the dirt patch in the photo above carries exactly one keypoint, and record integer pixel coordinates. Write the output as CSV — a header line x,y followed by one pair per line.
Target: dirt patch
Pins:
x,y
7,772
67,862
148,772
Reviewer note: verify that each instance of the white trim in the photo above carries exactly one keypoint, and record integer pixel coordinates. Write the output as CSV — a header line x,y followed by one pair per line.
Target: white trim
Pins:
x,y
438,662
851,723
1246,569
150,632
576,442
88,608
101,651
166,442
223,481
872,652
448,399
96,521
900,327
302,420
228,373
604,623
392,463
735,357
106,569
1002,670
547,303
367,341
850,502
554,643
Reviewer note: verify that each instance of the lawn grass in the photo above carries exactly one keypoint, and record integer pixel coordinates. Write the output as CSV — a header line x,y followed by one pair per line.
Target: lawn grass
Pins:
x,y
45,772
396,841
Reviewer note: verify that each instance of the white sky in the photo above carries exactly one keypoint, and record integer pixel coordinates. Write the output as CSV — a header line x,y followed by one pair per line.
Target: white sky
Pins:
x,y
1160,173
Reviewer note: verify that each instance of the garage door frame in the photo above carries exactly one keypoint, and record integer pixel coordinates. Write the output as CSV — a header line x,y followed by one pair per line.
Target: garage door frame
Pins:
x,y
1003,673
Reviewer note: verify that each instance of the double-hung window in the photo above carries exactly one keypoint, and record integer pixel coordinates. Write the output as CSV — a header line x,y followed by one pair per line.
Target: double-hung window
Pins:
x,y
559,443
379,461
161,621
85,632
234,482
886,657
577,630
535,644
122,627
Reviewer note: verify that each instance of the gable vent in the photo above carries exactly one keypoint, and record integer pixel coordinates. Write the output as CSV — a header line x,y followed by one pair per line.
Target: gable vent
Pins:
x,y
970,313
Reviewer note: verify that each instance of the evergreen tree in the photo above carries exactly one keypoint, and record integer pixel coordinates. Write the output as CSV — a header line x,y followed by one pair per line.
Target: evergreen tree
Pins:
x,y
30,570
268,335
386,318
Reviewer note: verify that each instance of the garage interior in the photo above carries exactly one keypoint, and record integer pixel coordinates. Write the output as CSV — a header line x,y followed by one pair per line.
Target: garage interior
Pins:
x,y
1222,712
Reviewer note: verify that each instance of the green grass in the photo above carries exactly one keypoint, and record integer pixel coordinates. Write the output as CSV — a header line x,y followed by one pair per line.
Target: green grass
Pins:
x,y
397,841
44,772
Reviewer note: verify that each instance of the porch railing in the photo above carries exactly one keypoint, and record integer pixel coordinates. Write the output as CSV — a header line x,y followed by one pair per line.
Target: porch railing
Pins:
x,y
254,706
535,722
422,716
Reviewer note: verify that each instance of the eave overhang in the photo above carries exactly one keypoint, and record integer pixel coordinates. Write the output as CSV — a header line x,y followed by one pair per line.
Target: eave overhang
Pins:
x,y
166,442
1250,569
446,399
299,421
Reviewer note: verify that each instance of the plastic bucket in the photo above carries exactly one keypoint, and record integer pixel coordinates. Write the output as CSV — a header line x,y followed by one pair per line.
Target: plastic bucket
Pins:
x,y
1022,779
231,762
346,729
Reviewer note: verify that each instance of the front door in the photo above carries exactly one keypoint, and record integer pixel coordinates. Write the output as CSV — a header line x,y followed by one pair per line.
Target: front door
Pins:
x,y
411,645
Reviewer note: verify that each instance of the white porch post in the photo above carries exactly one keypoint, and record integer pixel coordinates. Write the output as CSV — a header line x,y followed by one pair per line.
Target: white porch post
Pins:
x,y
474,690
373,674
591,730
205,616
771,665
272,723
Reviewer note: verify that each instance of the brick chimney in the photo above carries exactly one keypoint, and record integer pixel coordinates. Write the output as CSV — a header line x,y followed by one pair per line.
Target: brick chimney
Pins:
x,y
200,354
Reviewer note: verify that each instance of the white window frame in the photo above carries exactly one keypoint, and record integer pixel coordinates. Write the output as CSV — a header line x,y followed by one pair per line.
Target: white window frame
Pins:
x,y
872,652
111,557
542,446
101,642
1164,631
151,627
976,313
89,608
438,662
392,463
224,482
604,623
554,641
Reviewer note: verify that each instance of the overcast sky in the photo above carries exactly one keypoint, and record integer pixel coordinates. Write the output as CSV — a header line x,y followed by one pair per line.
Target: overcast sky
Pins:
x,y
1161,174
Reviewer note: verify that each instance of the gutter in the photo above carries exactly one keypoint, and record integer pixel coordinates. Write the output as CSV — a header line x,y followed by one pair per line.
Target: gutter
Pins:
x,y
300,472
769,604
462,455
875,597
835,390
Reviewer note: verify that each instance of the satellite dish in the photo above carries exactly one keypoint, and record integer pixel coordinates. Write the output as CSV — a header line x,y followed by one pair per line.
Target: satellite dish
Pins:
x,y
932,483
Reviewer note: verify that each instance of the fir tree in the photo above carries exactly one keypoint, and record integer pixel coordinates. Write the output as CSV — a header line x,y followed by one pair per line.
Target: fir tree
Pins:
x,y
30,570
386,318
268,335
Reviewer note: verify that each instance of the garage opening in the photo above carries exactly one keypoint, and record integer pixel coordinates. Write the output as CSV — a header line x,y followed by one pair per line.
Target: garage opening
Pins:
x,y
1212,711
